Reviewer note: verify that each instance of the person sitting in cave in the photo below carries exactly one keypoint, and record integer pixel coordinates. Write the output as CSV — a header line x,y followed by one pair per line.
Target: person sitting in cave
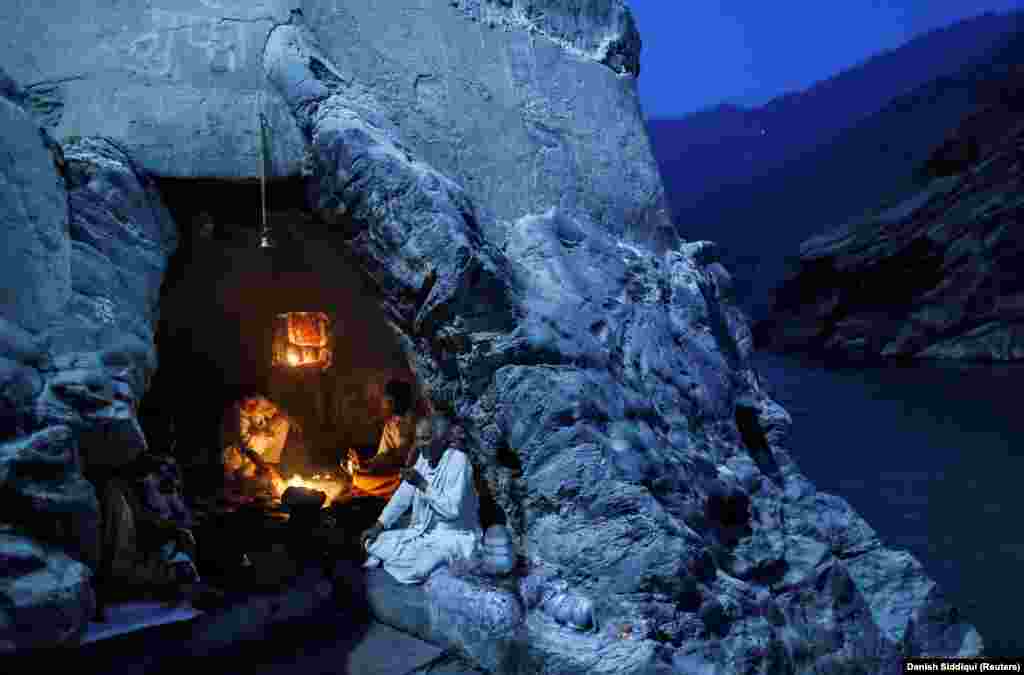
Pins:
x,y
261,443
375,480
456,437
379,476
445,522
164,491
147,541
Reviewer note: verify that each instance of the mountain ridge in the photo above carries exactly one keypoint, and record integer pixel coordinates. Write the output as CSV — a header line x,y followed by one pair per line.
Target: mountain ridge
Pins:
x,y
931,276
732,198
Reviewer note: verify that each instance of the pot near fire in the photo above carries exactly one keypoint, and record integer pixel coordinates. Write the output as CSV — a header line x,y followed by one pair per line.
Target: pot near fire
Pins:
x,y
303,503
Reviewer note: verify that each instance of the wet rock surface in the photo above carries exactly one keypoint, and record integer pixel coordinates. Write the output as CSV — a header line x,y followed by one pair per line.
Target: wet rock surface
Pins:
x,y
45,596
935,276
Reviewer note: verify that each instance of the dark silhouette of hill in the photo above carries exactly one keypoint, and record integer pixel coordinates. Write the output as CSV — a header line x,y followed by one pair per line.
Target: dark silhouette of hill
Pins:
x,y
825,154
935,274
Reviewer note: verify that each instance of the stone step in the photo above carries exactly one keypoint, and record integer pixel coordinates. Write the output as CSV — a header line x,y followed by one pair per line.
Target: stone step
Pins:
x,y
470,614
303,628
130,617
386,651
368,622
333,646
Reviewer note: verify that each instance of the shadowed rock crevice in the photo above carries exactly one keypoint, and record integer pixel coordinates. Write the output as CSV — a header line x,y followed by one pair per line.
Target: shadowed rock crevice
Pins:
x,y
755,439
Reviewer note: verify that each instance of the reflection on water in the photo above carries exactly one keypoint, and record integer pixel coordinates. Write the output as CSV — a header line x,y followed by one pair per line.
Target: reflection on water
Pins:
x,y
931,455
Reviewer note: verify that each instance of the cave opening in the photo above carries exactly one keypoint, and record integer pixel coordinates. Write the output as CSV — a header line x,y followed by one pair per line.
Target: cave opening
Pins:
x,y
222,299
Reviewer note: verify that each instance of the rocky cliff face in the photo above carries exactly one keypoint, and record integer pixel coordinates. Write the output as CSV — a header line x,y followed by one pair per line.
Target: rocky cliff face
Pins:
x,y
606,384
935,276
88,240
503,97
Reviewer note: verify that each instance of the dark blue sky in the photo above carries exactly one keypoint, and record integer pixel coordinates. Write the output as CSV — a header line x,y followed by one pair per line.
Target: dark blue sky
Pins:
x,y
698,53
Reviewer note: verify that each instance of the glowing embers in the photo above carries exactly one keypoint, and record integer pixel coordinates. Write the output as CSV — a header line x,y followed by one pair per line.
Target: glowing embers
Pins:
x,y
302,340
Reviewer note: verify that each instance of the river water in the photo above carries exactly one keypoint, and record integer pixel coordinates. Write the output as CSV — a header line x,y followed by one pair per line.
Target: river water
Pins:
x,y
932,456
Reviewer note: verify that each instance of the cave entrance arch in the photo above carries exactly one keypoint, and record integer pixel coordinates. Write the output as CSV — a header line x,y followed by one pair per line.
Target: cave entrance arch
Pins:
x,y
220,296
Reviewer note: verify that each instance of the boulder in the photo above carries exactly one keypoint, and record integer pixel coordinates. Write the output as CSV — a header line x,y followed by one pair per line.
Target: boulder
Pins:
x,y
76,348
35,279
101,351
464,612
45,596
99,404
122,237
41,478
20,384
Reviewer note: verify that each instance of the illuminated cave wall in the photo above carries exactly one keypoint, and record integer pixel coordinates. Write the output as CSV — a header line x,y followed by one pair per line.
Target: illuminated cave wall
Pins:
x,y
217,304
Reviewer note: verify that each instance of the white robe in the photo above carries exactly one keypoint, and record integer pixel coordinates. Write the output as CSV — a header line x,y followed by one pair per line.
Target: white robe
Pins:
x,y
445,520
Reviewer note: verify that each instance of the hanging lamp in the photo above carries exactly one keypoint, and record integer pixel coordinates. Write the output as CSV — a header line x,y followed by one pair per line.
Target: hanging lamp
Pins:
x,y
266,239
301,340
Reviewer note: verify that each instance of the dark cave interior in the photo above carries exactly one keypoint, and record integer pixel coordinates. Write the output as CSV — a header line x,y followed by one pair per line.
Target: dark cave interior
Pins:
x,y
219,298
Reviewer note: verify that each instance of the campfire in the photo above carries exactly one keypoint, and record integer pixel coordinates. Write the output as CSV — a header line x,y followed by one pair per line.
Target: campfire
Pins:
x,y
327,483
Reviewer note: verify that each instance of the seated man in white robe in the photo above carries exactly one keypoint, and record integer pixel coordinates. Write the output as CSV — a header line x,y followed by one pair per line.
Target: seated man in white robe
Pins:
x,y
445,521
